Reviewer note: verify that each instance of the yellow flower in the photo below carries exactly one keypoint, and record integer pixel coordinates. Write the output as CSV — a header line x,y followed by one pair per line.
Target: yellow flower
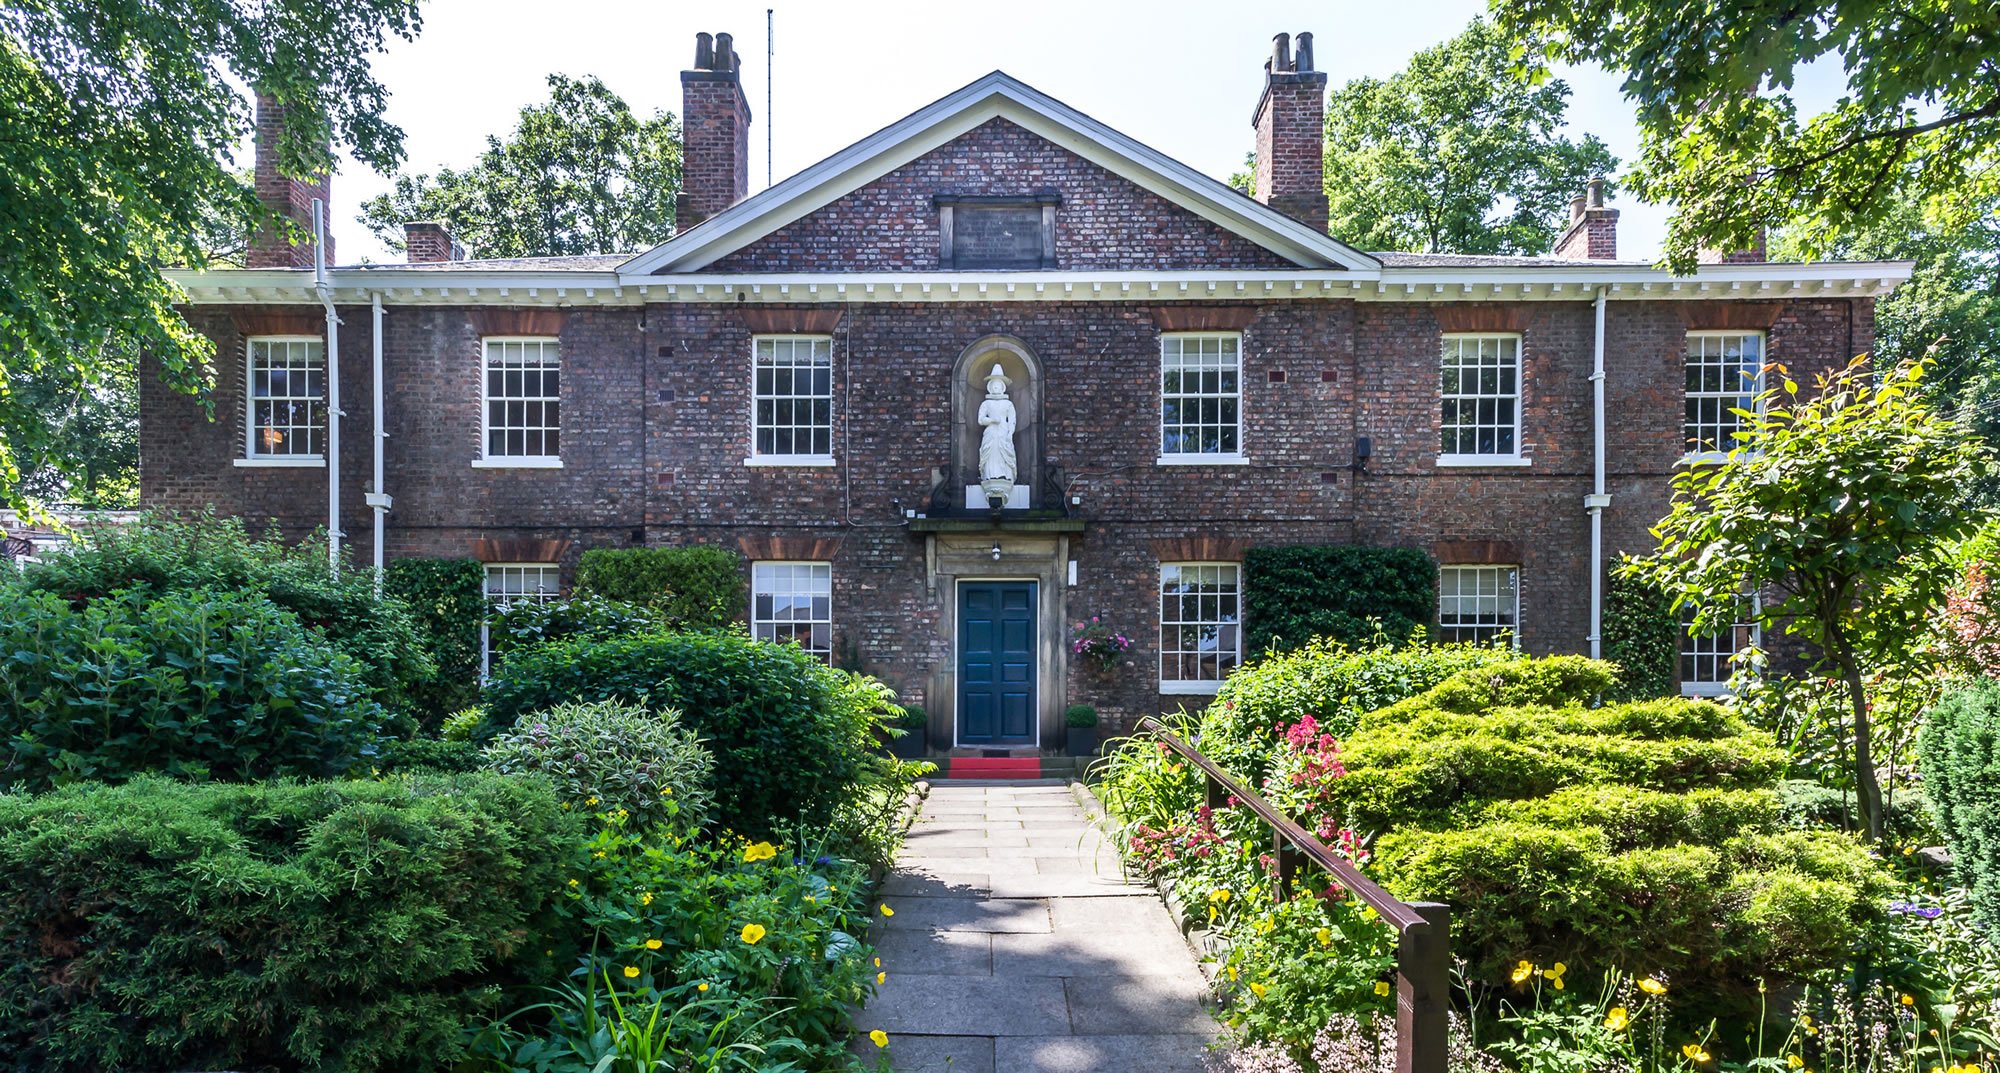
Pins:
x,y
1555,974
1795,1061
879,1038
590,801
752,933
1265,926
1382,988
1694,1052
810,900
701,987
597,856
1652,986
759,851
1523,971
881,978
1617,1019
1219,895
878,963
666,791
1257,989
886,911
1368,912
646,897
572,882
1232,974
1908,1000
654,944
631,971
1325,936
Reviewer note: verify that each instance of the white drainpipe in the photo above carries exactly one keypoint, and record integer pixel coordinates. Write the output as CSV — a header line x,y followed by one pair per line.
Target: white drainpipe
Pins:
x,y
1598,499
325,291
378,498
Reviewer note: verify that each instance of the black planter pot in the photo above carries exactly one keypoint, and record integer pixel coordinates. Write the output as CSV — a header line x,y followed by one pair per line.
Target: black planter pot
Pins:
x,y
1082,741
913,745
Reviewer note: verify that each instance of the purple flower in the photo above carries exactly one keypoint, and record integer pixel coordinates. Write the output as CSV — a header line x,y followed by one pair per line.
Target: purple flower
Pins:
x,y
1928,912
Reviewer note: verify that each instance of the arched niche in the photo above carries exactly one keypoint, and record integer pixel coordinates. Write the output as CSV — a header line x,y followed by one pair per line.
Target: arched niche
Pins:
x,y
968,389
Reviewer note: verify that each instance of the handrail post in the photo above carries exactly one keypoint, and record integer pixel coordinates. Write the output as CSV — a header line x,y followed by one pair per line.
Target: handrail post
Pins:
x,y
1423,996
1287,860
1212,793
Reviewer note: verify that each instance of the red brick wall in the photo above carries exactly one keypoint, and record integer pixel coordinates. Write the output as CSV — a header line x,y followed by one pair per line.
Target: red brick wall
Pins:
x,y
1104,222
290,198
656,430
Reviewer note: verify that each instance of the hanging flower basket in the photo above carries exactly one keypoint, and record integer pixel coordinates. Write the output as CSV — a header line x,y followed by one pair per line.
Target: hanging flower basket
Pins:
x,y
1097,645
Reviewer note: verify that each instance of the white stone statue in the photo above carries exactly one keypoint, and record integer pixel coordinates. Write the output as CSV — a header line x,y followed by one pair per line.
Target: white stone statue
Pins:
x,y
996,437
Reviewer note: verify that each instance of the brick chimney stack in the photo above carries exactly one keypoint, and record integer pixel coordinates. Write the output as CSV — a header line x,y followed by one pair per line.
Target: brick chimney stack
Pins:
x,y
1593,229
1291,134
715,133
1754,255
428,242
286,197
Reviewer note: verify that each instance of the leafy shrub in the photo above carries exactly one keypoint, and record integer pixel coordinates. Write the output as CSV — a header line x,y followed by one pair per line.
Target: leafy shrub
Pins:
x,y
694,586
1642,835
790,735
162,555
1959,751
1642,635
735,945
447,602
330,926
608,756
581,618
1294,595
437,756
1081,716
194,684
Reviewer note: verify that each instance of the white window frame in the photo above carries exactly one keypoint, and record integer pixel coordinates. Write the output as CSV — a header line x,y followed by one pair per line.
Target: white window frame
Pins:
x,y
254,457
1692,452
1234,627
1508,572
1234,342
1703,647
487,459
499,600
762,583
1453,346
758,457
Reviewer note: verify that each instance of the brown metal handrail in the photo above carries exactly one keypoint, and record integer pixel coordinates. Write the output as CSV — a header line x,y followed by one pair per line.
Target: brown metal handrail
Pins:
x,y
1423,940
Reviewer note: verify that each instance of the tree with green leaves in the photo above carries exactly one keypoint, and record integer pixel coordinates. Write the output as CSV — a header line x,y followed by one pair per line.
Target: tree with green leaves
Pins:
x,y
579,174
1455,155
1723,139
118,125
1948,310
1841,506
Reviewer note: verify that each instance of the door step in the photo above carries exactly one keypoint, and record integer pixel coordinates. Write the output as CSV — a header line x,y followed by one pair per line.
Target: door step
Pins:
x,y
1011,767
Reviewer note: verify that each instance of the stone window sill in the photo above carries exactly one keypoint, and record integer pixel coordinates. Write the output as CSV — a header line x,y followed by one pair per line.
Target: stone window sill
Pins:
x,y
526,462
782,461
1704,458
1477,461
313,462
1234,459
1206,689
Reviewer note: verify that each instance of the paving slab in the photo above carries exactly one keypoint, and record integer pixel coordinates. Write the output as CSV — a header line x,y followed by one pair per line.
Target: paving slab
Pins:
x,y
907,884
929,1005
1061,885
1154,951
931,1054
1136,1005
1102,1054
966,914
935,953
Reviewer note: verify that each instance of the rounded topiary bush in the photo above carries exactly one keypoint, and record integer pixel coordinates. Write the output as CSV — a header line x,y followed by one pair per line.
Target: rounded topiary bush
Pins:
x,y
193,684
791,737
607,755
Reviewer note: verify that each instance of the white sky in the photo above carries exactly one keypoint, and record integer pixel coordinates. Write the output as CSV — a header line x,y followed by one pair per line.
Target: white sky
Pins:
x,y
1179,75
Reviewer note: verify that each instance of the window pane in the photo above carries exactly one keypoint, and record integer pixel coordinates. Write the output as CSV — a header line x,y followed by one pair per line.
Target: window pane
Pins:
x,y
1200,394
523,398
287,405
792,411
1479,392
1198,612
1478,604
1724,374
793,602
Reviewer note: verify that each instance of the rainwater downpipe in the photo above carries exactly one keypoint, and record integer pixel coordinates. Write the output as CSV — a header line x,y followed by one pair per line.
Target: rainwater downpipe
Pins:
x,y
325,291
378,498
1598,499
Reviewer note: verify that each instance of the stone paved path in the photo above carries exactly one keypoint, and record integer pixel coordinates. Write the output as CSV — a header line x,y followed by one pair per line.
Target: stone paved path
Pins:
x,y
1018,946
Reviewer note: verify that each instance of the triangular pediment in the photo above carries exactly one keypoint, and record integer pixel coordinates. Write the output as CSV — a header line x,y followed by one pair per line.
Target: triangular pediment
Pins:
x,y
962,114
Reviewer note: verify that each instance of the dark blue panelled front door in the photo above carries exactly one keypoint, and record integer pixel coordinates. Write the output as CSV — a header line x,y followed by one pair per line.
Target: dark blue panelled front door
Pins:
x,y
996,663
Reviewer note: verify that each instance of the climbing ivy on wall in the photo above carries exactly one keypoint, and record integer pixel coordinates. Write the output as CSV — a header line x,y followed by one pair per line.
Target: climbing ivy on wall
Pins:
x,y
1292,595
1642,635
446,598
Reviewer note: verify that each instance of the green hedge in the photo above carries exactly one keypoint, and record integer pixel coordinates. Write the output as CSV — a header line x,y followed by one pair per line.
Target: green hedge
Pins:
x,y
1643,836
1351,594
447,602
790,735
1959,755
331,926
193,684
1643,636
163,554
693,586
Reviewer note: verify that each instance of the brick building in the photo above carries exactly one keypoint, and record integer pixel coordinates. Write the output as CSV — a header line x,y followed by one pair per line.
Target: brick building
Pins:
x,y
798,376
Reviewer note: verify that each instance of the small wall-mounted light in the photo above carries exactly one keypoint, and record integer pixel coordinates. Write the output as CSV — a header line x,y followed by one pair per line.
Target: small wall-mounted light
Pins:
x,y
1364,449
996,551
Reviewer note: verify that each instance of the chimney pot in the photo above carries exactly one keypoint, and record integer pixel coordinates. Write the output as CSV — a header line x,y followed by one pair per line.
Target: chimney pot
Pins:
x,y
1281,54
1593,229
715,133
1302,56
1596,193
1576,207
